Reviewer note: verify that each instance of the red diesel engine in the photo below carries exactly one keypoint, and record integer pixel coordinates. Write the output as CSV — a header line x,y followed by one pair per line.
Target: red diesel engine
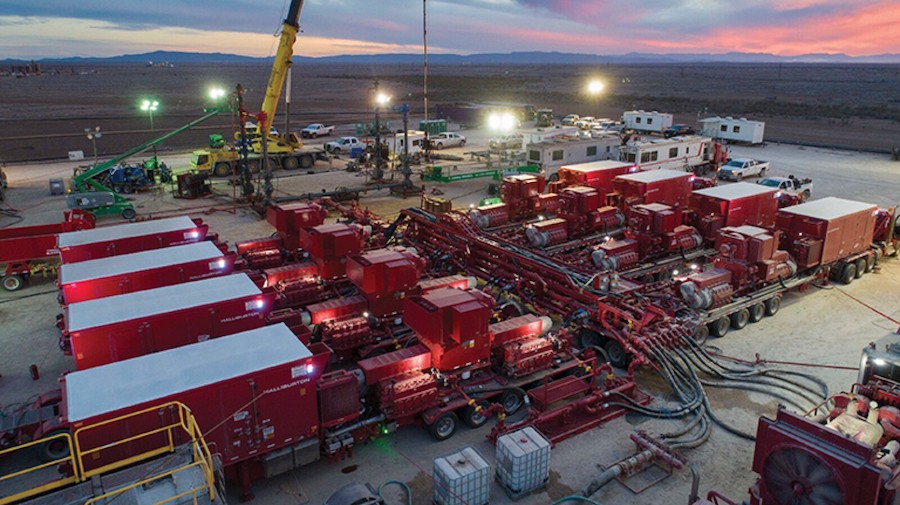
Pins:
x,y
330,244
384,276
453,325
746,259
847,458
654,230
401,386
580,207
520,345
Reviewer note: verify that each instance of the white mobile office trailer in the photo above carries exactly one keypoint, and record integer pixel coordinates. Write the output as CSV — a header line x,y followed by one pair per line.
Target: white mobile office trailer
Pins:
x,y
690,153
646,121
734,130
556,152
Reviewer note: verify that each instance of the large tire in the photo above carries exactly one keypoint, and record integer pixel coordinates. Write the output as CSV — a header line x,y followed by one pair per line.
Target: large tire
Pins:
x,y
290,163
870,262
757,312
701,334
53,450
762,173
13,282
336,151
720,327
848,273
773,305
273,163
617,355
511,401
128,213
740,319
860,267
805,195
439,146
222,169
475,418
305,160
444,426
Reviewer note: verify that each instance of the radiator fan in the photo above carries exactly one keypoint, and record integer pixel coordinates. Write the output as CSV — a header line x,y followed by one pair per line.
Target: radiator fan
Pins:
x,y
793,476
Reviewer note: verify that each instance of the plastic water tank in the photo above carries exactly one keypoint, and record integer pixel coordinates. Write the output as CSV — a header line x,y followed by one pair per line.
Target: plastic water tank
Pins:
x,y
462,478
523,462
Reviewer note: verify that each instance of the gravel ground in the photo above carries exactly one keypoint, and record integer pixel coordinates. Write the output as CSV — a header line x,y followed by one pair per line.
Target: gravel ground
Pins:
x,y
821,326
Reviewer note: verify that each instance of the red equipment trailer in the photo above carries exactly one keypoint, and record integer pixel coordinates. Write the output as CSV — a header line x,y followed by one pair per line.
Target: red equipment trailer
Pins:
x,y
30,250
127,273
669,187
97,332
733,205
253,394
129,238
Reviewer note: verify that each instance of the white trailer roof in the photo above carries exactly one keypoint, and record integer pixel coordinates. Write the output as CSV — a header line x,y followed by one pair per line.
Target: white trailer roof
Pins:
x,y
597,165
736,190
106,233
135,262
654,175
115,386
113,309
829,208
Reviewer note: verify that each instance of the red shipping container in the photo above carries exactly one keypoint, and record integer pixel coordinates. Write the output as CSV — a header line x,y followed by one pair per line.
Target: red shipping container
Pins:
x,y
250,393
739,204
384,271
129,238
453,324
832,228
595,174
126,273
126,326
656,186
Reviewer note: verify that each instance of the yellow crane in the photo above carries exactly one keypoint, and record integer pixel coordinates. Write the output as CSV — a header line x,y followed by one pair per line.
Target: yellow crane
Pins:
x,y
284,150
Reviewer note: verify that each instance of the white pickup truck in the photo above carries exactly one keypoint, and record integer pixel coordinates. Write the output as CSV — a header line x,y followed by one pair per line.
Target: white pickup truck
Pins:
x,y
801,188
316,130
447,139
343,145
737,169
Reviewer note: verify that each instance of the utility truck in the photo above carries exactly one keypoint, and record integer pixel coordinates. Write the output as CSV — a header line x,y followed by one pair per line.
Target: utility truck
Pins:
x,y
738,168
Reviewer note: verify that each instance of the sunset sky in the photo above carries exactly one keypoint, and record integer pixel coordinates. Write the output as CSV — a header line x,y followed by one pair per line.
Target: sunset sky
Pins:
x,y
60,28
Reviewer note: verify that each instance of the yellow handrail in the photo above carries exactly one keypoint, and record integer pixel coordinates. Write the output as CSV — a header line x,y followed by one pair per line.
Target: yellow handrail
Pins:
x,y
43,488
184,422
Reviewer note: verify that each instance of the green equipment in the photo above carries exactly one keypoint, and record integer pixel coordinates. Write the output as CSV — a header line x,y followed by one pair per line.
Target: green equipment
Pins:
x,y
436,173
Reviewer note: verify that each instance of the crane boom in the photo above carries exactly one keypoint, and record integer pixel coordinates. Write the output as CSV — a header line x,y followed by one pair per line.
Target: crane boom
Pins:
x,y
86,181
283,60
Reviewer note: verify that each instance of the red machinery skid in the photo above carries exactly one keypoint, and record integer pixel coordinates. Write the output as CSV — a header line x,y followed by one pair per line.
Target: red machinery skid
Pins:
x,y
384,276
129,238
290,218
573,404
127,273
799,461
595,174
112,329
733,205
306,270
329,245
668,187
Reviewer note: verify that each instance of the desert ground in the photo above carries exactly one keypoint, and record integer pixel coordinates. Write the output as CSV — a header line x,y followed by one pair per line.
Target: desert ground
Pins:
x,y
43,118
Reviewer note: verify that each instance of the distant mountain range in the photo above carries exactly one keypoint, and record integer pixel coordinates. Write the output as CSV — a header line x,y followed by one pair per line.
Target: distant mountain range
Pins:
x,y
516,58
